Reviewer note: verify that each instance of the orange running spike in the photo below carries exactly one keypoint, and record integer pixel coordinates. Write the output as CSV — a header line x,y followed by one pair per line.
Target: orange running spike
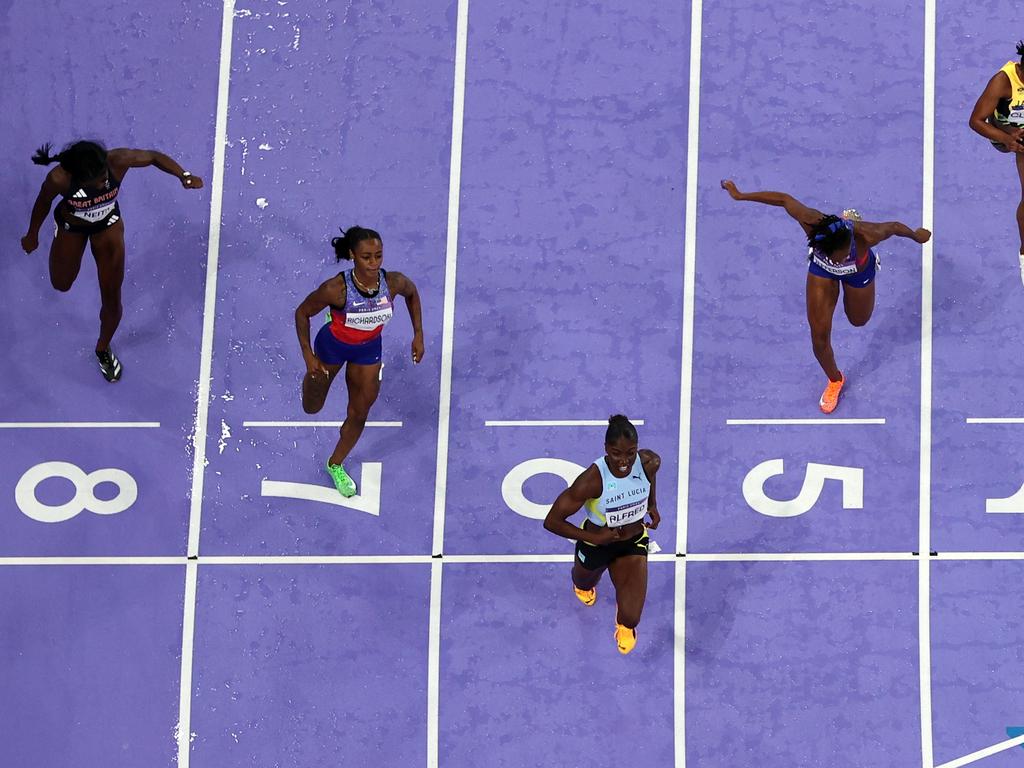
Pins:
x,y
830,397
587,596
625,638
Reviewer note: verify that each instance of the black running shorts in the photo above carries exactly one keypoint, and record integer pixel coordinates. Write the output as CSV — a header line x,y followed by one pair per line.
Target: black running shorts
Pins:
x,y
597,558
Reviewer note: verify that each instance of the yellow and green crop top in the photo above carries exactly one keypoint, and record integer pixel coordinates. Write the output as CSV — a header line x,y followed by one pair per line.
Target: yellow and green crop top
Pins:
x,y
1011,111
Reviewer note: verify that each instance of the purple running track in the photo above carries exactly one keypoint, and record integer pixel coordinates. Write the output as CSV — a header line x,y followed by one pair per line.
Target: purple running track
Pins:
x,y
569,305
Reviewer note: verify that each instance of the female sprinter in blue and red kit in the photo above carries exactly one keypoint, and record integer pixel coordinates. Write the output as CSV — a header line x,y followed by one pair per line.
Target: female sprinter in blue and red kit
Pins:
x,y
88,179
839,254
361,303
618,492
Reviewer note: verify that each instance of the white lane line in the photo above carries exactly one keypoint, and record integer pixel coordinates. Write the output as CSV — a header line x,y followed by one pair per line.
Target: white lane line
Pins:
x,y
450,264
79,424
106,560
203,385
314,424
798,422
708,557
315,559
557,423
445,385
686,372
924,487
210,300
795,557
188,625
1002,746
561,558
434,663
679,663
979,556
1007,420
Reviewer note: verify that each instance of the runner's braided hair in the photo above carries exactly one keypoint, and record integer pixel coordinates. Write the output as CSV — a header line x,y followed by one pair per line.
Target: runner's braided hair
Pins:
x,y
350,238
1020,51
619,426
829,234
82,159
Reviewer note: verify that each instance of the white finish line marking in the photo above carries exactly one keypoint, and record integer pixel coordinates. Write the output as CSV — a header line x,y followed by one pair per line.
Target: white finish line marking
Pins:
x,y
558,423
79,424
1007,420
314,424
485,559
798,422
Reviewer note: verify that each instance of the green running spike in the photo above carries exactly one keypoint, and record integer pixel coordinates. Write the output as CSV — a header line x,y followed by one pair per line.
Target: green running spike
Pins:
x,y
346,485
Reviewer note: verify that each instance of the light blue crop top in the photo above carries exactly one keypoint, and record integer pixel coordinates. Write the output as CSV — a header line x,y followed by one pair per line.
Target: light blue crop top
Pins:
x,y
623,500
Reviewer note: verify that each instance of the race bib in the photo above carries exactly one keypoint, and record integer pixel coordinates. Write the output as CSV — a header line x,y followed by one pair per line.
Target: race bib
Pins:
x,y
367,321
834,269
98,213
626,514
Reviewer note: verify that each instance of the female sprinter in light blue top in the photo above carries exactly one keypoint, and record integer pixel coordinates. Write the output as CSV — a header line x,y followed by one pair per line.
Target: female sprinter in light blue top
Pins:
x,y
618,492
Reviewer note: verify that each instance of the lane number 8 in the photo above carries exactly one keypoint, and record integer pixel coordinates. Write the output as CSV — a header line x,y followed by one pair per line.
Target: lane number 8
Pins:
x,y
85,492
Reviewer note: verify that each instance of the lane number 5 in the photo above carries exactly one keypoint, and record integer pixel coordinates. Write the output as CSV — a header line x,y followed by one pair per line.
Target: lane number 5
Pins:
x,y
851,478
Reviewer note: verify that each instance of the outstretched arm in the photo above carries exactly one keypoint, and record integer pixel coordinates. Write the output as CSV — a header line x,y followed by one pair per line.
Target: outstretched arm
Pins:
x,y
123,159
875,233
998,88
50,189
804,215
401,285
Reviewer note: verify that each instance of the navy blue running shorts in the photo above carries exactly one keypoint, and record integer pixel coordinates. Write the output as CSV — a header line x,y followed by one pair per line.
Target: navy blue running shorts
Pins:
x,y
334,352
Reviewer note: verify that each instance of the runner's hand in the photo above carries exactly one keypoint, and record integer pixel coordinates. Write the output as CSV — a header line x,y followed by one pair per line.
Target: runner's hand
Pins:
x,y
922,235
730,187
29,243
1016,142
602,536
314,367
191,182
655,518
417,347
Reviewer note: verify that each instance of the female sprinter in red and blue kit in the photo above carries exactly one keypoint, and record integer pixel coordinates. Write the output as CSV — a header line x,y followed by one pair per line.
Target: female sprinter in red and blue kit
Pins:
x,y
839,255
360,301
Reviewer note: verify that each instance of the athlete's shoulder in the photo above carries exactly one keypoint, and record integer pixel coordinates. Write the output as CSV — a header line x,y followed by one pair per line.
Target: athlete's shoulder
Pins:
x,y
58,180
332,290
1001,83
650,460
398,283
588,484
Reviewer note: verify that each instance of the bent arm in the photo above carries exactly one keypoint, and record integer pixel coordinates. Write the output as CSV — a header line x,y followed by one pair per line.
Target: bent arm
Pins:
x,y
312,305
41,207
123,159
403,286
998,88
651,462
569,502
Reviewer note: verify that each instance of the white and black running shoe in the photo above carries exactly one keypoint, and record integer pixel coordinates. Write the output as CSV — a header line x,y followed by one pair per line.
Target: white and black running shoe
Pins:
x,y
110,366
